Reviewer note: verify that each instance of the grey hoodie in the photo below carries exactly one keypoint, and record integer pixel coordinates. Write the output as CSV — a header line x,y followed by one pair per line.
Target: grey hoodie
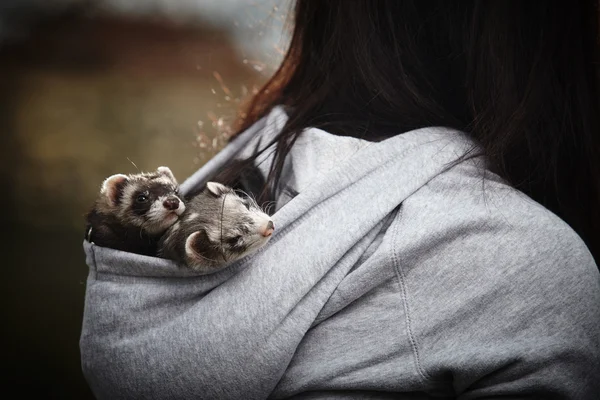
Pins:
x,y
392,273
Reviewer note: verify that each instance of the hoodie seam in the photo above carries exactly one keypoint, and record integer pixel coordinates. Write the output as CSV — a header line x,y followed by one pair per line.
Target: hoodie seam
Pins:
x,y
405,303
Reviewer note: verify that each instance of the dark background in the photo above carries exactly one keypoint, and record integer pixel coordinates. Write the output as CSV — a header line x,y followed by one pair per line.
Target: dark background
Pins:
x,y
86,89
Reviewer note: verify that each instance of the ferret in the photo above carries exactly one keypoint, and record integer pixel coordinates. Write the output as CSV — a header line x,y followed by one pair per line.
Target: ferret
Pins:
x,y
133,211
144,214
217,228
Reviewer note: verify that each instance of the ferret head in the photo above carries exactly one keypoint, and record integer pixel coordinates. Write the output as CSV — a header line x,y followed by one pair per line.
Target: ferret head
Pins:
x,y
238,227
146,200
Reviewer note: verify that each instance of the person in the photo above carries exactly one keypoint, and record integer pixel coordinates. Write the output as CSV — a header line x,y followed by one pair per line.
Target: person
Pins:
x,y
431,168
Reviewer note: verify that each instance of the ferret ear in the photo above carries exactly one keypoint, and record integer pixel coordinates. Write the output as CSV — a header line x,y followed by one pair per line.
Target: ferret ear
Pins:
x,y
166,171
112,187
217,189
196,244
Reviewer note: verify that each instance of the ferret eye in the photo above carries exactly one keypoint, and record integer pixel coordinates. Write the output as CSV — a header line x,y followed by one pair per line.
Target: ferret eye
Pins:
x,y
234,240
247,204
142,198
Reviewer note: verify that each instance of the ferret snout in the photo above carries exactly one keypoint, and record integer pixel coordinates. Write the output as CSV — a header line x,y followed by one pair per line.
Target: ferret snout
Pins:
x,y
268,231
172,203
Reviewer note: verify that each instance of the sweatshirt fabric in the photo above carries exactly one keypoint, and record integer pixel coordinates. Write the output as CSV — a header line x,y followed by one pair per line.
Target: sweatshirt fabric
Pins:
x,y
395,271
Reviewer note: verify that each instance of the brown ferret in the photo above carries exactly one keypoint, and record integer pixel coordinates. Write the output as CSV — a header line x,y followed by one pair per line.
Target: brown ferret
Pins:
x,y
133,211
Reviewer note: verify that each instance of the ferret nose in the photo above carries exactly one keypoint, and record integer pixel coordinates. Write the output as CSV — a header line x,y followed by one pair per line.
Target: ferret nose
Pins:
x,y
269,230
172,203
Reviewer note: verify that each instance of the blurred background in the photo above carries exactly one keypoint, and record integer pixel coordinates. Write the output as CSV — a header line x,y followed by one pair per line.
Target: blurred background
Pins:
x,y
95,87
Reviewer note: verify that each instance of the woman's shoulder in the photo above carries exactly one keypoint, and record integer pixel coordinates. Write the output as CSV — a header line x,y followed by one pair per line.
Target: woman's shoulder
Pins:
x,y
500,290
475,210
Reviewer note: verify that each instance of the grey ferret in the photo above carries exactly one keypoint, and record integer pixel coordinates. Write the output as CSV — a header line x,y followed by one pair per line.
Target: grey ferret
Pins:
x,y
133,211
144,214
217,228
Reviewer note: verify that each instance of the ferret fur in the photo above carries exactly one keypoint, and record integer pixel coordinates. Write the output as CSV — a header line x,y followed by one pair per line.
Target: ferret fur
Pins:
x,y
133,211
217,228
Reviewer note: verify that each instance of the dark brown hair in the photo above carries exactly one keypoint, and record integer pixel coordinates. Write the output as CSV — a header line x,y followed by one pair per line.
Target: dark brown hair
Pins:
x,y
518,76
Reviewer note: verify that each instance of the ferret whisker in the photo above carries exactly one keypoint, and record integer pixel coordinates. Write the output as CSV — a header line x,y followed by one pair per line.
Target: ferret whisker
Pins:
x,y
136,167
267,206
250,196
253,197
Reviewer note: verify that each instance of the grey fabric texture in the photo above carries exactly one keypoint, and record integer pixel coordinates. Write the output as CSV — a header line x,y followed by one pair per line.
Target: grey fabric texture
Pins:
x,y
393,272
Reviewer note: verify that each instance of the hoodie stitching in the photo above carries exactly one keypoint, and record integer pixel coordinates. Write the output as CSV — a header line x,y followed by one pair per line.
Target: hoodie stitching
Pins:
x,y
404,294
